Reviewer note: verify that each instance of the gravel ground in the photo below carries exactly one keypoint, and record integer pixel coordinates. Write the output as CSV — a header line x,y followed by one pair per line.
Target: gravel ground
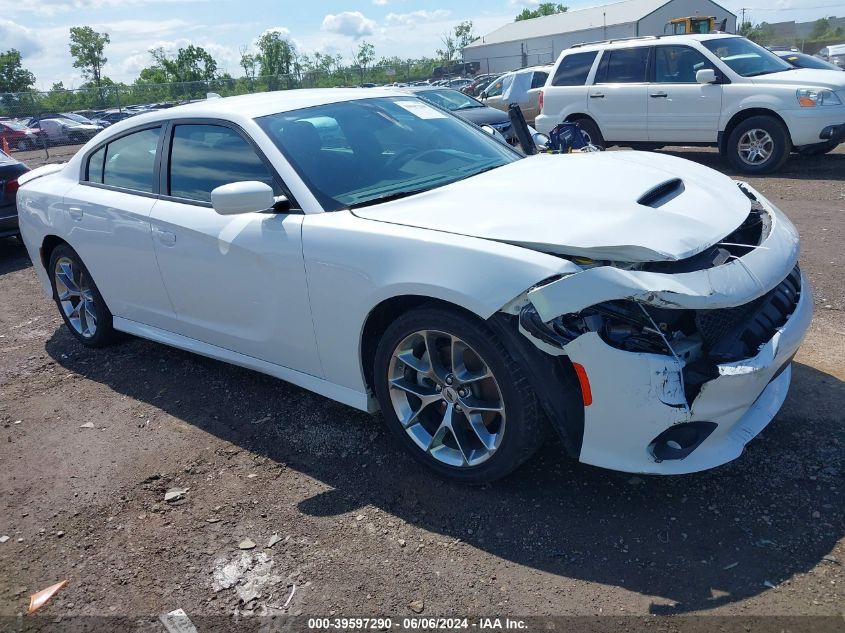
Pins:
x,y
90,442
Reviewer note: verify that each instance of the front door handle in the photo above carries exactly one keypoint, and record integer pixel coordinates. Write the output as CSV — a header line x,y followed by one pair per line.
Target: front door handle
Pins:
x,y
165,237
597,95
659,95
75,213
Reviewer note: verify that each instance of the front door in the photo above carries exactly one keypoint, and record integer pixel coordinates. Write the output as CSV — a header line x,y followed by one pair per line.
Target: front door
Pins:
x,y
236,282
679,108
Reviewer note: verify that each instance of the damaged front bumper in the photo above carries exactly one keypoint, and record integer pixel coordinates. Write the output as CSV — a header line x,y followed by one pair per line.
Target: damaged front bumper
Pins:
x,y
643,413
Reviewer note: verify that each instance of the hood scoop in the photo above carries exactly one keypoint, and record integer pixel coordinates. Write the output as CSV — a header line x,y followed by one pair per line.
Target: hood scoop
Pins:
x,y
665,192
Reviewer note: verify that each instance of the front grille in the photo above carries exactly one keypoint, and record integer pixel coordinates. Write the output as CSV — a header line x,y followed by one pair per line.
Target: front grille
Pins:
x,y
735,333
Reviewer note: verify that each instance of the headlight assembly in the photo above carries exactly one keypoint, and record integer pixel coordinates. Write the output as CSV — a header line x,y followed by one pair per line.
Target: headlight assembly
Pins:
x,y
813,97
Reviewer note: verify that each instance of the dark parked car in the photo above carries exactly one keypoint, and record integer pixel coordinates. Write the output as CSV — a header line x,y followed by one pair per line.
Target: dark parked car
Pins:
x,y
802,60
10,171
467,108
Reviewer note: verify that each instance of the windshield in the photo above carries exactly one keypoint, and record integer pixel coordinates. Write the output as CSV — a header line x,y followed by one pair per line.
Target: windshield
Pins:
x,y
15,125
450,99
808,61
360,152
746,58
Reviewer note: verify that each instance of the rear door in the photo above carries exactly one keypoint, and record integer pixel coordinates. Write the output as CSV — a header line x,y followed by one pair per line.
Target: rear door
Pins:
x,y
109,226
236,282
617,99
679,108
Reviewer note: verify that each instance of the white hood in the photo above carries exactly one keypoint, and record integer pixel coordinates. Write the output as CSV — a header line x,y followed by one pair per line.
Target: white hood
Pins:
x,y
583,205
805,78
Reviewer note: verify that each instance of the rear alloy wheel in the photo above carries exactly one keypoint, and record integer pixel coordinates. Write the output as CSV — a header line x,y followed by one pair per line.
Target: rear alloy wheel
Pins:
x,y
759,145
82,307
454,397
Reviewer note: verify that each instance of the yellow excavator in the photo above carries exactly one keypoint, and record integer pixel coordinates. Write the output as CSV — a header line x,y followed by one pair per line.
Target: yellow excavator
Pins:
x,y
693,24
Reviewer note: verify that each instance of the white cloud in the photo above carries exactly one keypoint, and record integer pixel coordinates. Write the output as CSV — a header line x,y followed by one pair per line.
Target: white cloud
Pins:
x,y
380,3
350,23
13,35
414,17
523,4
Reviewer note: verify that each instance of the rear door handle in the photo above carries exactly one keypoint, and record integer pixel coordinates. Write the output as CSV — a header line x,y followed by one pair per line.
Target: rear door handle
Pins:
x,y
597,95
659,95
165,237
75,213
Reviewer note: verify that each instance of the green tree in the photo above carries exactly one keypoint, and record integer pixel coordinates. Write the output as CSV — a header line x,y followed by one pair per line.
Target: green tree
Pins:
x,y
464,35
365,54
193,63
762,33
86,48
276,56
13,76
543,9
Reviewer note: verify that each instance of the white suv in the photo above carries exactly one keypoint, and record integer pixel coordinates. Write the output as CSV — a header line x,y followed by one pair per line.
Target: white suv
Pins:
x,y
714,89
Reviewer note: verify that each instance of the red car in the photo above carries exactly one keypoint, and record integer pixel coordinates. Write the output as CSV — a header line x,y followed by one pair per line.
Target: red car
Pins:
x,y
19,136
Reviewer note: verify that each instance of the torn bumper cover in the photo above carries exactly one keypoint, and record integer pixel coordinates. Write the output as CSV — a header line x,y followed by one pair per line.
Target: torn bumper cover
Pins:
x,y
672,398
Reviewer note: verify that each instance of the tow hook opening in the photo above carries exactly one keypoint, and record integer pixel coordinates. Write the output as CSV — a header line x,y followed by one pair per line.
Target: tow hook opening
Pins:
x,y
680,440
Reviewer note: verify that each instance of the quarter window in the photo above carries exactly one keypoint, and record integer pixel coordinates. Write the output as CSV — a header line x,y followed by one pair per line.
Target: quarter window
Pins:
x,y
624,66
129,161
95,166
573,69
539,80
203,157
678,64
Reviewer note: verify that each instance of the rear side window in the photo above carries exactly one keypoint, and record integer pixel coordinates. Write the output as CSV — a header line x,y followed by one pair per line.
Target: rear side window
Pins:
x,y
623,66
127,162
539,79
573,69
204,157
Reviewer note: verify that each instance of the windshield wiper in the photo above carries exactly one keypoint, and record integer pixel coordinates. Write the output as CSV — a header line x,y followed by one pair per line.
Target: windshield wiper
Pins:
x,y
387,197
472,105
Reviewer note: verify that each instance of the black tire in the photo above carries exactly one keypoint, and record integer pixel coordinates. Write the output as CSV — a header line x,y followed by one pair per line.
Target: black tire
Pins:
x,y
819,149
592,131
25,145
780,148
525,427
104,333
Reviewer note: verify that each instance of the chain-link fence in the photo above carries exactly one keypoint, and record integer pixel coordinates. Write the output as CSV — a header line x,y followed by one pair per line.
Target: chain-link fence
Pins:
x,y
44,119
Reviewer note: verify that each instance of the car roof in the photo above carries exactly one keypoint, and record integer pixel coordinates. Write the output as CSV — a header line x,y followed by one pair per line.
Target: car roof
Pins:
x,y
265,103
649,40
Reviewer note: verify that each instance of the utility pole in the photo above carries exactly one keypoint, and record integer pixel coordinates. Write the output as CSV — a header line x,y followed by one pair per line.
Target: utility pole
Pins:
x,y
742,23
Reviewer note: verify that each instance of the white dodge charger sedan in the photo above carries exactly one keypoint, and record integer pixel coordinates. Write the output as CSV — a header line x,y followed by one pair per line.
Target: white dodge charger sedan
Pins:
x,y
383,253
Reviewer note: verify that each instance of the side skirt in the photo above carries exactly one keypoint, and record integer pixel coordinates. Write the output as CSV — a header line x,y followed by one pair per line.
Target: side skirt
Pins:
x,y
344,395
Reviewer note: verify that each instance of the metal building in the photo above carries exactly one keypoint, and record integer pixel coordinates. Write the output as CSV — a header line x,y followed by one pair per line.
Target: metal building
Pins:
x,y
540,40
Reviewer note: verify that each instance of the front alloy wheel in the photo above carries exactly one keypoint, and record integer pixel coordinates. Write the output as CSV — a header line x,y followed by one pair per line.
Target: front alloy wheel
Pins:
x,y
446,398
454,397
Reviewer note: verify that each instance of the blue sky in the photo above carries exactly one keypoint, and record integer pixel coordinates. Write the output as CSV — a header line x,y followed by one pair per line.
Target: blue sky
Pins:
x,y
407,28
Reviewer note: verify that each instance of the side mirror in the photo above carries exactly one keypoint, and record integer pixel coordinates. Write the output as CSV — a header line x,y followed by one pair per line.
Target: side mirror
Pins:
x,y
483,94
706,76
242,197
494,133
540,139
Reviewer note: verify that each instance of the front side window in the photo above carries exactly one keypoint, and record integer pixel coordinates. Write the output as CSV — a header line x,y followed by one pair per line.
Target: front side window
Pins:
x,y
495,89
678,64
203,157
574,69
392,146
744,57
624,66
130,161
